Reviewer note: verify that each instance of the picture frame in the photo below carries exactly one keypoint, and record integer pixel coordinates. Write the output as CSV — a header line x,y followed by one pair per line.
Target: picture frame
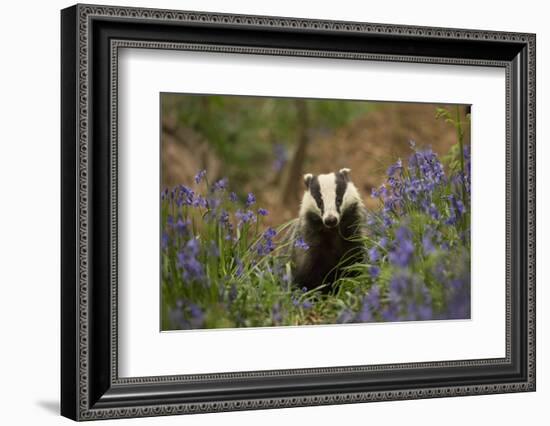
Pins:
x,y
91,37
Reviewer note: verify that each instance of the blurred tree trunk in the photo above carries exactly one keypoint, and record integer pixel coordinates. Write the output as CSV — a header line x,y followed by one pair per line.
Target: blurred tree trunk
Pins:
x,y
294,176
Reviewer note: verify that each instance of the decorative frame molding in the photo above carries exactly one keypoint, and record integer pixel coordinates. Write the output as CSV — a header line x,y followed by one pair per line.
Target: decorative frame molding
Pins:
x,y
91,37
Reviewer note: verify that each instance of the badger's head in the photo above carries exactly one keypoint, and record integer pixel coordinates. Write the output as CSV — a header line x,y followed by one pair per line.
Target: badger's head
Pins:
x,y
329,196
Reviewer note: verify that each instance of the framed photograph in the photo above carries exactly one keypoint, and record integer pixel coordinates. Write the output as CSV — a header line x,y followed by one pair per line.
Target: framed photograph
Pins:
x,y
263,212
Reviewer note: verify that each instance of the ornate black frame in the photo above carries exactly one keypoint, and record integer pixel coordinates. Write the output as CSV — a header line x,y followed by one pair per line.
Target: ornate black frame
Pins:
x,y
91,37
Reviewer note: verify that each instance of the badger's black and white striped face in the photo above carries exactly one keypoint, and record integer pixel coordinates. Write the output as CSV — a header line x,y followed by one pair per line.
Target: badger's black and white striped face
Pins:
x,y
328,196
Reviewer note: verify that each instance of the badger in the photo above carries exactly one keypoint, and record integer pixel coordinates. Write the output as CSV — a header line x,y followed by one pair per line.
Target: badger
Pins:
x,y
330,221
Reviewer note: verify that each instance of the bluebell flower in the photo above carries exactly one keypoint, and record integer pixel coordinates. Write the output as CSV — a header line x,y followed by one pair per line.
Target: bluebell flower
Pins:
x,y
432,210
365,314
200,176
240,267
403,250
262,212
373,297
409,299
250,199
164,241
427,243
395,168
220,185
200,201
181,226
193,246
186,315
185,196
197,316
374,271
390,313
192,268
233,197
281,157
300,243
224,217
270,233
374,255
245,217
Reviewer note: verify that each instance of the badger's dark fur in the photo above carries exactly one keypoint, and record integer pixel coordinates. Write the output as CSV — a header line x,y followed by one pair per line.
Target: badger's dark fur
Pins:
x,y
330,220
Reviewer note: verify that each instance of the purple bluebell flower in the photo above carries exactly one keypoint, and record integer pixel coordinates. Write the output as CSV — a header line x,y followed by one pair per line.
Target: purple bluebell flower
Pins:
x,y
307,304
224,217
262,212
197,316
434,213
373,298
458,296
229,231
192,268
200,201
186,315
164,241
181,226
233,197
220,185
427,243
395,168
200,176
300,243
390,313
387,220
213,203
270,233
250,199
374,271
245,217
409,299
403,250
281,156
193,246
240,267
267,246
185,196
365,314
374,255
177,316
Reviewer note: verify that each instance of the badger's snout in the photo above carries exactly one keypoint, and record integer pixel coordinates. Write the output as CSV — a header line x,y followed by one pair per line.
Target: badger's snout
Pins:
x,y
330,221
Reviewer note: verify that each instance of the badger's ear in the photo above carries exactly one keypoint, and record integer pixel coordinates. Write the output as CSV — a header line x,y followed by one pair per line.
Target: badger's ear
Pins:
x,y
345,173
307,179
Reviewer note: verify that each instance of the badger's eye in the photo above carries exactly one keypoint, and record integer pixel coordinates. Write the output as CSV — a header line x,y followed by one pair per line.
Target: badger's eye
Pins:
x,y
339,199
